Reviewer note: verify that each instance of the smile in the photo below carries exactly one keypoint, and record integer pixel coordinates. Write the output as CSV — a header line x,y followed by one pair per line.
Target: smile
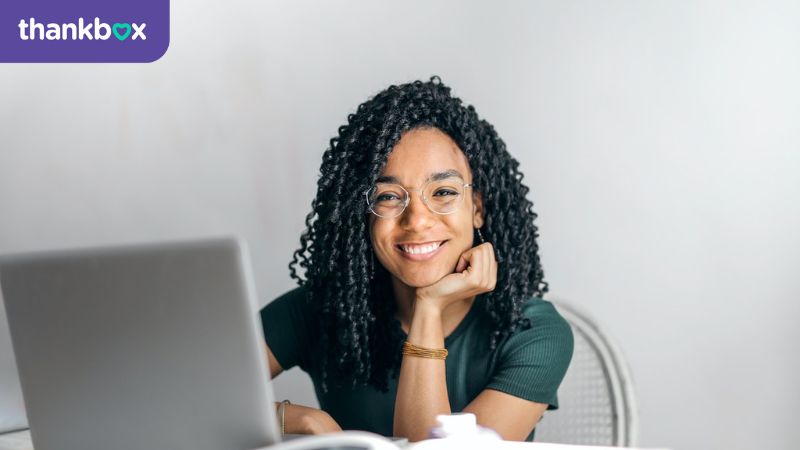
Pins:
x,y
420,252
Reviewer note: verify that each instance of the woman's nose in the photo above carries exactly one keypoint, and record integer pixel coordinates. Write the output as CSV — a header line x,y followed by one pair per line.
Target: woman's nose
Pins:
x,y
417,215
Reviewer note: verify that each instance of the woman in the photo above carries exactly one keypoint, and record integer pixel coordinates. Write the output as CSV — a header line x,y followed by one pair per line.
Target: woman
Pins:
x,y
422,279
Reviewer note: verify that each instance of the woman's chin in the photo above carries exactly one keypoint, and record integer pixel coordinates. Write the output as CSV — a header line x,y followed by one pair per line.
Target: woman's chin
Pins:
x,y
420,280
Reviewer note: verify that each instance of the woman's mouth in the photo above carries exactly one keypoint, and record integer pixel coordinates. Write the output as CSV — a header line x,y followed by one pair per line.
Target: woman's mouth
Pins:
x,y
421,251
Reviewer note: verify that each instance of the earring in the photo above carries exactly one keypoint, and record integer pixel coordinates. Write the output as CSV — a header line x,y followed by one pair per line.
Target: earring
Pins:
x,y
371,264
480,236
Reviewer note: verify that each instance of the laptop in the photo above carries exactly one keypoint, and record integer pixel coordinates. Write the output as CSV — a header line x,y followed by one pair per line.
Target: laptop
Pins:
x,y
12,408
140,347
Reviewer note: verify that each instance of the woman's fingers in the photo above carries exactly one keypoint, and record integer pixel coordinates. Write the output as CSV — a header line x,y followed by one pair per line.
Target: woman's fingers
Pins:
x,y
463,262
489,267
475,273
480,266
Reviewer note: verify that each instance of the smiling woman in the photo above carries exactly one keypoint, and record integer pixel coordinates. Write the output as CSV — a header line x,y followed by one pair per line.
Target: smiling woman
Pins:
x,y
420,241
422,284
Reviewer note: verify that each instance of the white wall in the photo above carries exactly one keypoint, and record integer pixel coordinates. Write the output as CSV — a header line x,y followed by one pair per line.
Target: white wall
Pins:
x,y
660,140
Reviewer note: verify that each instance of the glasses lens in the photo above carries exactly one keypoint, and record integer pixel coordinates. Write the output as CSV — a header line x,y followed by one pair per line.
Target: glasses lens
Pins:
x,y
444,196
387,200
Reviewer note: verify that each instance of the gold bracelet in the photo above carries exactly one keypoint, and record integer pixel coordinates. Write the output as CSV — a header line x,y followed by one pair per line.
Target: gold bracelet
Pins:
x,y
432,353
282,415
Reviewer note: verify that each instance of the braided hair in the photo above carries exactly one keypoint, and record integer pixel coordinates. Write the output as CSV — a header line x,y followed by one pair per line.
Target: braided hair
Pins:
x,y
350,294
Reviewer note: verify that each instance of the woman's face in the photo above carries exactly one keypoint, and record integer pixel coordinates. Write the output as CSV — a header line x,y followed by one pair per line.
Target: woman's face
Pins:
x,y
420,247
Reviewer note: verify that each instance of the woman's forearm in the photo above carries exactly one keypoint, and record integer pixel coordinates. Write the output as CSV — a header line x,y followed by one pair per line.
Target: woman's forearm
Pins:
x,y
305,420
422,387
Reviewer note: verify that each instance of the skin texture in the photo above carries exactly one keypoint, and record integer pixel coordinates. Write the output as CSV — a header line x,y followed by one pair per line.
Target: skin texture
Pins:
x,y
433,295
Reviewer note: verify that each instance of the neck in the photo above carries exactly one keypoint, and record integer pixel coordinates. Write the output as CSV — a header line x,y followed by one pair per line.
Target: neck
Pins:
x,y
406,298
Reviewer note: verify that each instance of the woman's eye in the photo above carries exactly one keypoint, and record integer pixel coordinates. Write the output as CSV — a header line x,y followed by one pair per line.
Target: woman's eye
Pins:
x,y
386,198
444,192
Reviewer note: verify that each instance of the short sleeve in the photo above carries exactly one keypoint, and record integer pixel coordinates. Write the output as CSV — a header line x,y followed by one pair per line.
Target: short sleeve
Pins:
x,y
286,321
532,362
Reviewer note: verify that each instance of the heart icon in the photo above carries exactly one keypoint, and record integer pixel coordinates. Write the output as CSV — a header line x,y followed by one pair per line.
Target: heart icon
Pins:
x,y
121,26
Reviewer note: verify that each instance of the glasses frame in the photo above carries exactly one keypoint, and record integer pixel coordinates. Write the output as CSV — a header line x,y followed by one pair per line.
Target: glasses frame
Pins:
x,y
420,192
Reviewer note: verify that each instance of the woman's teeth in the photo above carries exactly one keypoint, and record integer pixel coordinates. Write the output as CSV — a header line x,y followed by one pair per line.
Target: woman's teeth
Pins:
x,y
420,249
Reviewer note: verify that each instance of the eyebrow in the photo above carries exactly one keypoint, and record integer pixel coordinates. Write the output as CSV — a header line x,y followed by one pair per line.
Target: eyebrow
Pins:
x,y
437,176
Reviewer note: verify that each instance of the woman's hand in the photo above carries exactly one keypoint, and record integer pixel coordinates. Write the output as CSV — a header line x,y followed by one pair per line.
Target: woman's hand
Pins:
x,y
476,273
304,420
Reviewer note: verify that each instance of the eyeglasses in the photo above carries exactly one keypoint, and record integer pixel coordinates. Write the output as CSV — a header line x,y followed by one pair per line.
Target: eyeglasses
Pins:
x,y
387,200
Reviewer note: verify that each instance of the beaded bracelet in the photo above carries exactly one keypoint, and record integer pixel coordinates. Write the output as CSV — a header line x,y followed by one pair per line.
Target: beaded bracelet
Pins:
x,y
282,415
432,353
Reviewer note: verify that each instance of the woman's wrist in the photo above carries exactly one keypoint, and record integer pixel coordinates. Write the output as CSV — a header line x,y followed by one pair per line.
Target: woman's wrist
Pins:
x,y
426,307
429,301
282,415
426,326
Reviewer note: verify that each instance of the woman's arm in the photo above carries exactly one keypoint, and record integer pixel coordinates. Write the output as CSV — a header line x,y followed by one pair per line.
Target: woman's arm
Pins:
x,y
422,389
300,419
512,417
275,368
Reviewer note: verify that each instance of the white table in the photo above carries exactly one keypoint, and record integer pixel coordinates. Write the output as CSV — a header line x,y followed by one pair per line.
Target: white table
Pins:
x,y
21,440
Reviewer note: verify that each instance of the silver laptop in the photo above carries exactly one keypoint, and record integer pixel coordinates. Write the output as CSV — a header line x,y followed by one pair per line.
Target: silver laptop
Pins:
x,y
140,347
12,409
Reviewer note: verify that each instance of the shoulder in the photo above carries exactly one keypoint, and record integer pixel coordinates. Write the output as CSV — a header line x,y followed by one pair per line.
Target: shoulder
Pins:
x,y
546,333
543,313
296,298
534,358
290,309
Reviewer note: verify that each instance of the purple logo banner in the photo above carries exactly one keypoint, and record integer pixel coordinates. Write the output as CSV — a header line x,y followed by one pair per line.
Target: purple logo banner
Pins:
x,y
83,30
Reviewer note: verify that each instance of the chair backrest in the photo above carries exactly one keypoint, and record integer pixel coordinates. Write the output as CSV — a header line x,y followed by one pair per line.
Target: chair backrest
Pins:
x,y
597,405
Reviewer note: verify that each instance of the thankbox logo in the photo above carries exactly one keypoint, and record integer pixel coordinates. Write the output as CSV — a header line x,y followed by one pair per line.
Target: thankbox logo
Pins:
x,y
99,31
83,30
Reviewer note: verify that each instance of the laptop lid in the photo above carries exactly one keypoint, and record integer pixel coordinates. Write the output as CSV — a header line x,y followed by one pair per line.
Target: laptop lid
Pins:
x,y
136,347
12,409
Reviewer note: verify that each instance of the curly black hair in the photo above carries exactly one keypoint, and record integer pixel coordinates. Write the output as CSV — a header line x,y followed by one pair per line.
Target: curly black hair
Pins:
x,y
353,300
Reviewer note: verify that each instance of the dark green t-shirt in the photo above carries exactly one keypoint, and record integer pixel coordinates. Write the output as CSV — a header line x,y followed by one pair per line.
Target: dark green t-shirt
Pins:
x,y
529,364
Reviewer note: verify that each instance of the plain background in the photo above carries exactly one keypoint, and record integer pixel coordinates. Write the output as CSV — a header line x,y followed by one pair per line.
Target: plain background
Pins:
x,y
660,141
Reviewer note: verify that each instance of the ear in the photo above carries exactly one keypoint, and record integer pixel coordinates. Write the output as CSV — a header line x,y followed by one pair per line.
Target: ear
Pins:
x,y
477,210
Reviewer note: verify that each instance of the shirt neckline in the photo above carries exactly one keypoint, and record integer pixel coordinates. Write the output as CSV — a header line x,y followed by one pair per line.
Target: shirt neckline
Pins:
x,y
462,326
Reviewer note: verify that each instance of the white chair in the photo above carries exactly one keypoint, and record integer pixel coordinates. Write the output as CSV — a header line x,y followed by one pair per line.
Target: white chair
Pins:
x,y
597,405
